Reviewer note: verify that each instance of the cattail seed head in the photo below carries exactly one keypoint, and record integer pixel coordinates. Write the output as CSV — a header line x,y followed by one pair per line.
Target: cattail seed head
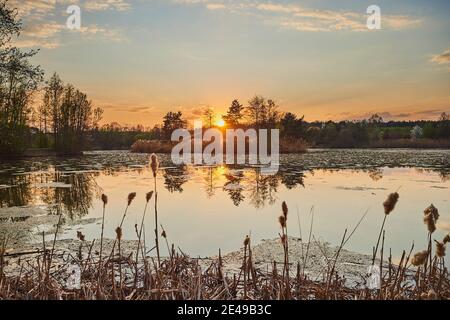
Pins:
x,y
390,202
446,238
80,235
431,295
419,258
433,211
285,209
440,249
429,221
154,164
105,199
131,197
119,233
282,220
431,215
247,240
148,196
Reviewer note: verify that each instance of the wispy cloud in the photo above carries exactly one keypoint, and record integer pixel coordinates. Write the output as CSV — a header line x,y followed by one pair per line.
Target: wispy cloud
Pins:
x,y
40,28
101,5
443,58
299,18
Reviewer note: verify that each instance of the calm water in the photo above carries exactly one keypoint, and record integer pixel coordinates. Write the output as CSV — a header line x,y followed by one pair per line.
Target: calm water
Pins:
x,y
207,208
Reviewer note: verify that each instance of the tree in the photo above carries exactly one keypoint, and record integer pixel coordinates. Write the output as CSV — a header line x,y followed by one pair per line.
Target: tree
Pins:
x,y
208,115
256,110
271,114
19,80
172,121
375,119
444,117
234,114
416,133
72,115
291,126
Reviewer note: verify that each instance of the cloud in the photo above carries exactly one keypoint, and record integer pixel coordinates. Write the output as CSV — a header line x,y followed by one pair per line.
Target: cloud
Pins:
x,y
50,35
443,58
295,17
41,30
101,5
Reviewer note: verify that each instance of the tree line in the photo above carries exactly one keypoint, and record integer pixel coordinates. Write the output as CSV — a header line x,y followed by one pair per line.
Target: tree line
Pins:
x,y
65,120
65,114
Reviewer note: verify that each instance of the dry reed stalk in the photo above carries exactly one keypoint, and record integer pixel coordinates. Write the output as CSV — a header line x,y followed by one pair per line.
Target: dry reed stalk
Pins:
x,y
389,206
105,202
154,164
148,197
244,265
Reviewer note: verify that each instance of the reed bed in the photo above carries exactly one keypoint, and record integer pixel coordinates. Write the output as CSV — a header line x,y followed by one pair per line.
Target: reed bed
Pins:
x,y
137,274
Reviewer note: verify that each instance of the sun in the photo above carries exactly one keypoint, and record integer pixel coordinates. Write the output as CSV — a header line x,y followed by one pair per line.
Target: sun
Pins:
x,y
220,123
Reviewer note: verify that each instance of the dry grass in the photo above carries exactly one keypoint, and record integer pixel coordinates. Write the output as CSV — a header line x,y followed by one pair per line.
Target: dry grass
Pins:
x,y
291,145
136,275
152,146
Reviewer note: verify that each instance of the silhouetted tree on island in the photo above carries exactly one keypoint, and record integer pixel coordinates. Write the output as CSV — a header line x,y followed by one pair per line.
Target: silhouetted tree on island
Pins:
x,y
235,114
172,121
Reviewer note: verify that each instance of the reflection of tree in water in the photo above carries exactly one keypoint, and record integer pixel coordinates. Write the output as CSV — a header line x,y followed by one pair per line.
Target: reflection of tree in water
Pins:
x,y
234,188
291,178
444,175
262,189
376,174
77,200
211,177
174,178
18,192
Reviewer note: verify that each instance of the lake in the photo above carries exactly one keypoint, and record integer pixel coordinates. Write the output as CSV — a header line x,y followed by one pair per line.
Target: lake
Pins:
x,y
205,208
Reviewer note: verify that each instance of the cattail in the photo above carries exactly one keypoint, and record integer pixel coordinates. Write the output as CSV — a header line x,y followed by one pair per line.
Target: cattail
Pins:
x,y
247,240
119,233
440,249
154,164
149,195
80,235
285,209
390,203
446,238
433,211
419,258
131,197
105,199
282,220
431,295
430,222
164,234
431,215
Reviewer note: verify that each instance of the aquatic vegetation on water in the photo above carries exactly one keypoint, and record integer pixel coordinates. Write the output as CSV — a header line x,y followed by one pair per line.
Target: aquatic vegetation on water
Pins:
x,y
120,275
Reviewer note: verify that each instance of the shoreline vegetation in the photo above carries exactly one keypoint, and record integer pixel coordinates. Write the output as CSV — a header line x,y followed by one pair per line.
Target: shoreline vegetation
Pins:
x,y
40,115
123,270
287,145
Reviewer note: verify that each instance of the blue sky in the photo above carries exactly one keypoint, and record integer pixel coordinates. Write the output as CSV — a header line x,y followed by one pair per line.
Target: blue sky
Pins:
x,y
140,58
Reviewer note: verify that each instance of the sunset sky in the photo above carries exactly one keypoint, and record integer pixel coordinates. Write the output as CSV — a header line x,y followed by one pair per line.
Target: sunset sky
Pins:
x,y
139,59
